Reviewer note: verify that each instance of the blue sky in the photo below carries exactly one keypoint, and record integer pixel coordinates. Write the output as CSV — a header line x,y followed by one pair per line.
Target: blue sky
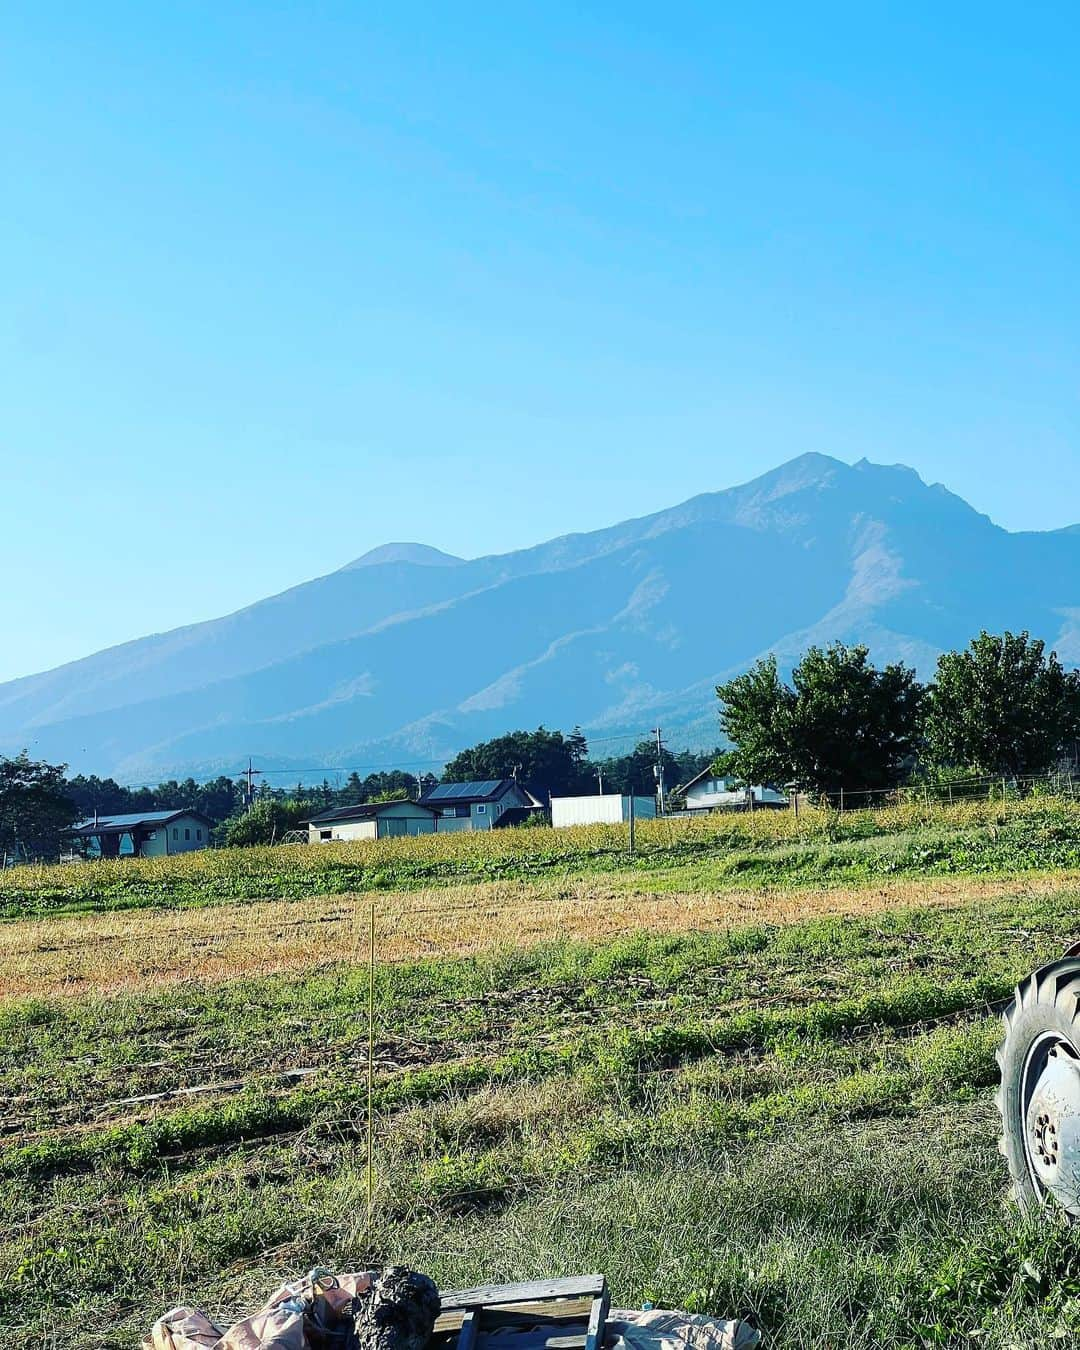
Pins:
x,y
282,282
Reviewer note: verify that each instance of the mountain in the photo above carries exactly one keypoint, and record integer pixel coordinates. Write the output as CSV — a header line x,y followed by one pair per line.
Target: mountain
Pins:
x,y
423,555
409,653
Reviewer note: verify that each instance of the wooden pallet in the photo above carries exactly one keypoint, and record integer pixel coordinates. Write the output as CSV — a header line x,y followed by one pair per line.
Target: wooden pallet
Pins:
x,y
566,1314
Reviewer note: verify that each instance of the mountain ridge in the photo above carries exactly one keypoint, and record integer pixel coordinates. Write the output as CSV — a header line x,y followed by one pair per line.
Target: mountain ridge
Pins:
x,y
409,651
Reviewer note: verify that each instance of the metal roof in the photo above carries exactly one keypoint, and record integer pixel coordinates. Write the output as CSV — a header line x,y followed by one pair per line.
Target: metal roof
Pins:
x,y
120,824
479,791
361,811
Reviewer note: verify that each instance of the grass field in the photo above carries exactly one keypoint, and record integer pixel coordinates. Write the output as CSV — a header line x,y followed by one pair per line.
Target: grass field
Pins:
x,y
748,1072
766,848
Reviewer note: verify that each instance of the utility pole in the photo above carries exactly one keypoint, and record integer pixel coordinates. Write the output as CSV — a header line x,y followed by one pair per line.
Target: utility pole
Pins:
x,y
600,780
249,792
659,767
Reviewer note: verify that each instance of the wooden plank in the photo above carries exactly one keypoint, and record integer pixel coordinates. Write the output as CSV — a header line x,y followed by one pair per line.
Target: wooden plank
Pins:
x,y
551,1310
540,1315
486,1295
531,1338
594,1337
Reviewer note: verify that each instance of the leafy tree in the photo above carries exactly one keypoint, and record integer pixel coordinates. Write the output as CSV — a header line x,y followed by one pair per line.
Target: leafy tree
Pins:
x,y
35,807
218,799
547,761
840,723
105,795
266,822
377,786
756,717
853,725
1002,706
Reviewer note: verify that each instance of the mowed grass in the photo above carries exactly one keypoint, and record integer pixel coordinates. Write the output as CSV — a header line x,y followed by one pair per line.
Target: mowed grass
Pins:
x,y
766,1101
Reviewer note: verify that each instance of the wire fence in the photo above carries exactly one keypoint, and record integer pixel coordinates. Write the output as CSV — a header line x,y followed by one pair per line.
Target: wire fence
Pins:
x,y
995,787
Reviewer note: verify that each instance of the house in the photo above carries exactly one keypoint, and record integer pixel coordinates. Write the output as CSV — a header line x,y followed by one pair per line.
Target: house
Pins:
x,y
609,808
712,792
372,820
480,806
143,834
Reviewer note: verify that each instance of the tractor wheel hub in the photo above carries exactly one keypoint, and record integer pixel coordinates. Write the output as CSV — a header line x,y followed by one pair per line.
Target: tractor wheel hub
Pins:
x,y
1053,1127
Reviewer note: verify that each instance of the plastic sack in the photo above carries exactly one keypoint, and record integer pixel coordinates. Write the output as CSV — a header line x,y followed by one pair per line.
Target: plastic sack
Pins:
x,y
658,1329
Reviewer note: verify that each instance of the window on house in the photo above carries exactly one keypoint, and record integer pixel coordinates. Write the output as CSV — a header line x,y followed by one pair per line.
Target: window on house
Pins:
x,y
481,809
198,833
175,833
187,834
325,835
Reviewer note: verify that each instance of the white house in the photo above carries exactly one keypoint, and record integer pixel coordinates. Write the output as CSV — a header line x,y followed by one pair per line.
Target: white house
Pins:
x,y
712,792
371,820
610,808
143,834
480,806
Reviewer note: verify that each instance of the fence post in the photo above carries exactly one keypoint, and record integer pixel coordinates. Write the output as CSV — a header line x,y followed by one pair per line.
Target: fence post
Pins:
x,y
631,819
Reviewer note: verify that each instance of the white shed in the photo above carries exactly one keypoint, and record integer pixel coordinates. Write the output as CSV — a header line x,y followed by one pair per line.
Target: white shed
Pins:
x,y
609,808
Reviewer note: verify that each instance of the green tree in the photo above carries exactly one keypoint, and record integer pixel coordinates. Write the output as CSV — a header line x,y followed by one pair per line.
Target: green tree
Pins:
x,y
218,799
1002,706
756,717
546,761
853,725
266,822
35,807
377,786
840,723
104,795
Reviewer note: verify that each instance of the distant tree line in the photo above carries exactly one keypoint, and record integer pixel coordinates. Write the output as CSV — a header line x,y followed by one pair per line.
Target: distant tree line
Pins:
x,y
552,764
39,802
1002,707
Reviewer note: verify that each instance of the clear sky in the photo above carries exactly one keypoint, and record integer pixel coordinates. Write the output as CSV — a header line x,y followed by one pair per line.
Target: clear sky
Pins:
x,y
281,282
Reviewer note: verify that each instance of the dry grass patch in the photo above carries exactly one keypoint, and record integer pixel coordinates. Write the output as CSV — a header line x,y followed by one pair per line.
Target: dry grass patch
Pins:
x,y
113,952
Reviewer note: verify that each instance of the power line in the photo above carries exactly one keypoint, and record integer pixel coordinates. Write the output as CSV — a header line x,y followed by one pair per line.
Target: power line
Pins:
x,y
639,736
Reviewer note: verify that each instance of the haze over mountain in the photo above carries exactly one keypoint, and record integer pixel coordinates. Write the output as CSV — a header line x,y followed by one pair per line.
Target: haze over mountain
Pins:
x,y
409,653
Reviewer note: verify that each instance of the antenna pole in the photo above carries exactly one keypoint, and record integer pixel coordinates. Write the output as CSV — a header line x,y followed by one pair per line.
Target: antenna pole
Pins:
x,y
659,767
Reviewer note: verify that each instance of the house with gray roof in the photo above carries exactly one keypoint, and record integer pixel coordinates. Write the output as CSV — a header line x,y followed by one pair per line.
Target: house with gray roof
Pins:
x,y
142,834
372,820
485,805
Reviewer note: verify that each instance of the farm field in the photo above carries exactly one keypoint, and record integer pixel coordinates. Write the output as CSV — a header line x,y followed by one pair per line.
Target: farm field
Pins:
x,y
768,848
761,1089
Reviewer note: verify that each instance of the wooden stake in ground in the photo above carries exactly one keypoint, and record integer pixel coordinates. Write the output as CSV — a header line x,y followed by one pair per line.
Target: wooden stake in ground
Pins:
x,y
371,1072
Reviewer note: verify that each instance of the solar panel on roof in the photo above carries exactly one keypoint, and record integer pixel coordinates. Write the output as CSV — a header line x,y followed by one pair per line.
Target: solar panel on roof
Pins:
x,y
457,791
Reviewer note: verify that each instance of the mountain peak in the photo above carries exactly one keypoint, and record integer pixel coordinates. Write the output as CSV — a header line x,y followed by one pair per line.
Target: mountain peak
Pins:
x,y
409,652
420,555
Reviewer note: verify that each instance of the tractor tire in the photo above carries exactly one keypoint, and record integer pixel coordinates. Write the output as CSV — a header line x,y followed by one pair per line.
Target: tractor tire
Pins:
x,y
1039,1095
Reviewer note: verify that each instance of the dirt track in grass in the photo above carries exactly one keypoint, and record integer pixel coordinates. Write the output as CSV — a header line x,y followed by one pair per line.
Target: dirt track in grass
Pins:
x,y
113,952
